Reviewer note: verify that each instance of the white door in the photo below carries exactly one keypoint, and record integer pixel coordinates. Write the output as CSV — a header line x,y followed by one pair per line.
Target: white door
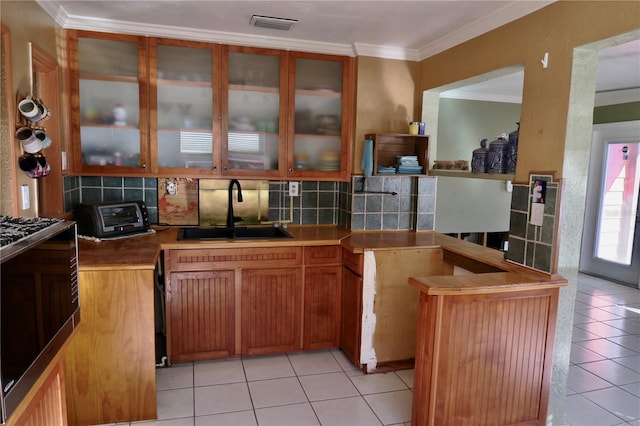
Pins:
x,y
611,234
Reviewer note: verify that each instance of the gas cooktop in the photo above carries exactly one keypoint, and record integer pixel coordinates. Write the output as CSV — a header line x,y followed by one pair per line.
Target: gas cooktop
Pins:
x,y
13,229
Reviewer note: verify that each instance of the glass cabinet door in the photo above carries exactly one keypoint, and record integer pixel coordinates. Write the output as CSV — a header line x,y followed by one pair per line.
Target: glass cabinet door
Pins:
x,y
320,116
182,134
112,130
254,114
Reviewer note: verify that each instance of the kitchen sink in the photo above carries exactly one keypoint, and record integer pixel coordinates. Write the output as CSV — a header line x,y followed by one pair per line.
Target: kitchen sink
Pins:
x,y
239,233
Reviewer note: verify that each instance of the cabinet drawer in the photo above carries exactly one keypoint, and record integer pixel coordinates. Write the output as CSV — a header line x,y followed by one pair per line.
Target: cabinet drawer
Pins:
x,y
322,255
353,261
209,259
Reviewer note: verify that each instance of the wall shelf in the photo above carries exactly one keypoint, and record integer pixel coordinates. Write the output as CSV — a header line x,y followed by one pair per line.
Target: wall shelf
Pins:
x,y
469,175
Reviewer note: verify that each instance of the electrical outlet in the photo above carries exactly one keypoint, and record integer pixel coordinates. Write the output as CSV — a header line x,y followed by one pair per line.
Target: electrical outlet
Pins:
x,y
294,189
25,197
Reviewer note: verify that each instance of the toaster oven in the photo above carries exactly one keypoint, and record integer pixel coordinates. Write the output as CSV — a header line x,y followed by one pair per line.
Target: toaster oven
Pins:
x,y
111,219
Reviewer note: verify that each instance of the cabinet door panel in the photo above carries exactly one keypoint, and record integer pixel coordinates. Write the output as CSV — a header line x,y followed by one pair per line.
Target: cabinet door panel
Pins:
x,y
201,314
320,96
271,310
183,106
351,315
109,103
254,112
322,295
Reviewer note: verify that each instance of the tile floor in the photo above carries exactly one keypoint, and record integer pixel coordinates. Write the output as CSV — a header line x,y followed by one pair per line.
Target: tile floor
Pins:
x,y
604,375
323,388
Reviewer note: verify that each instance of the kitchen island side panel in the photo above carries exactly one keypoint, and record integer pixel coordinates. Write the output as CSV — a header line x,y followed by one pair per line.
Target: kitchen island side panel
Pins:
x,y
110,361
390,307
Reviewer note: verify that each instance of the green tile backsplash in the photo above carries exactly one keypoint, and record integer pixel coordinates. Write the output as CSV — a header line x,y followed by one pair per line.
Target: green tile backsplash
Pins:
x,y
357,204
532,245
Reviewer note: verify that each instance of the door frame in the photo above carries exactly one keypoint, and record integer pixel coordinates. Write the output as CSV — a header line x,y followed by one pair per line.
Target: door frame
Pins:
x,y
601,135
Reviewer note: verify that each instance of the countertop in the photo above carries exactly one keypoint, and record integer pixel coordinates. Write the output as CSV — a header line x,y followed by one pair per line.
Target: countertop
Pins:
x,y
489,266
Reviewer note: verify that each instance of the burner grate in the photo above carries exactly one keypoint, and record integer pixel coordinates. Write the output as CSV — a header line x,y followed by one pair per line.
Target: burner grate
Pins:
x,y
13,229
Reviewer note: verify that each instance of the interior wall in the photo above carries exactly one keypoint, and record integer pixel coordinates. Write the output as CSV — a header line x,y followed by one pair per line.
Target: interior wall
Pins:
x,y
556,119
387,99
616,113
556,29
472,205
28,22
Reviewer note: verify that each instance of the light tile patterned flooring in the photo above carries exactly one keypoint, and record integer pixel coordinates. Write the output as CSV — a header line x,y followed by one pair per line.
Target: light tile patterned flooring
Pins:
x,y
604,375
323,388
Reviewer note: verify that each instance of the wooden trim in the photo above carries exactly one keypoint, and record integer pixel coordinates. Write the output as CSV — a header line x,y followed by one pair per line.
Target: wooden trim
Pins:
x,y
50,189
9,99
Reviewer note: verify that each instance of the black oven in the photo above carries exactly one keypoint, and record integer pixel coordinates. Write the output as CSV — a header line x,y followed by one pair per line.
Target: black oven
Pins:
x,y
38,306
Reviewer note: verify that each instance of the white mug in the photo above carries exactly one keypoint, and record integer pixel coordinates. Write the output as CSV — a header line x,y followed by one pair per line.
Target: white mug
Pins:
x,y
43,137
30,143
29,108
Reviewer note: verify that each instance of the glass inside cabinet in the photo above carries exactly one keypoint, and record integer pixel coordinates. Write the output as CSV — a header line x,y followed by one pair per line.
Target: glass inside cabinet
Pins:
x,y
253,133
318,115
184,107
109,102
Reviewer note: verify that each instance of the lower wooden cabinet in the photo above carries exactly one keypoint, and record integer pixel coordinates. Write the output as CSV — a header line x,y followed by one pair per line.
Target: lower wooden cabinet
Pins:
x,y
45,404
220,304
351,315
271,310
202,314
322,296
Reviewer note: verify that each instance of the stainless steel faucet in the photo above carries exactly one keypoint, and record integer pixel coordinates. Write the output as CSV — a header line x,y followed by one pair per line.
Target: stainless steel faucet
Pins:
x,y
231,220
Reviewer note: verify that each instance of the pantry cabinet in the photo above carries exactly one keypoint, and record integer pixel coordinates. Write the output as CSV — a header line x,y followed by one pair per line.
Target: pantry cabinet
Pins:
x,y
162,107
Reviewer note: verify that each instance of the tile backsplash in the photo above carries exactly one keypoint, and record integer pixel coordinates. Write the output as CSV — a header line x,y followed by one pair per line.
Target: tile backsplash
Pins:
x,y
532,245
374,203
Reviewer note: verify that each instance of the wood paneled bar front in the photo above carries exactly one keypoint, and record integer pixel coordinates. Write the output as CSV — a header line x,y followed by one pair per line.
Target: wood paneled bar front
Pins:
x,y
485,348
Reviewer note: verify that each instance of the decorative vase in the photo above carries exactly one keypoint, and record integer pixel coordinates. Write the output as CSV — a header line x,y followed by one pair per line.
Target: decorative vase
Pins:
x,y
479,158
496,157
512,150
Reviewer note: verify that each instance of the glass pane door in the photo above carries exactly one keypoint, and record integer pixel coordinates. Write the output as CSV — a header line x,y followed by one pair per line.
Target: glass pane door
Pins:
x,y
318,115
184,107
618,204
611,235
109,102
253,113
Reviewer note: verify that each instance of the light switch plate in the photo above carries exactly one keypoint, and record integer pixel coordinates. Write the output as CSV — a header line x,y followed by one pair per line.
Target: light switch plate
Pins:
x,y
24,189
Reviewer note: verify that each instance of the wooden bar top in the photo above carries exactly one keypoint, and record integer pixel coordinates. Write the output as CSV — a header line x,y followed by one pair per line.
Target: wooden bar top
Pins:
x,y
491,270
494,282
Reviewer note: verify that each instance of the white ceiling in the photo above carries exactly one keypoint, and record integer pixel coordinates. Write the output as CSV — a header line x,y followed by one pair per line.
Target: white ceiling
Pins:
x,y
411,30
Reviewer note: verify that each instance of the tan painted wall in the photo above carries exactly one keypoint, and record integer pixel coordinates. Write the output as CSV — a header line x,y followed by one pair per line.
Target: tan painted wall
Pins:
x,y
387,99
556,29
27,21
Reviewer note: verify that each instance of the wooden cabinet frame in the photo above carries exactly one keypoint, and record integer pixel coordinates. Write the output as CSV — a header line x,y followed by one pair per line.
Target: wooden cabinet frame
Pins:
x,y
76,166
147,80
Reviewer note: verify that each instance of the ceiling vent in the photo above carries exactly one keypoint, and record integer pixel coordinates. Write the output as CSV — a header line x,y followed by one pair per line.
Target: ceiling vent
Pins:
x,y
272,23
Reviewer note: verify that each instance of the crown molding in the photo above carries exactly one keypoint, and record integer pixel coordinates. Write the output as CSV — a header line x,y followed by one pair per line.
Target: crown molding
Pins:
x,y
136,28
616,97
386,52
471,96
480,26
491,21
